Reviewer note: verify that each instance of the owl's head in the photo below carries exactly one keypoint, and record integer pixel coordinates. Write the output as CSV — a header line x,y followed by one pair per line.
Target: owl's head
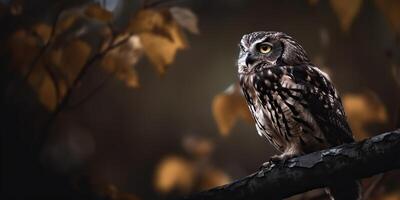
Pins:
x,y
269,49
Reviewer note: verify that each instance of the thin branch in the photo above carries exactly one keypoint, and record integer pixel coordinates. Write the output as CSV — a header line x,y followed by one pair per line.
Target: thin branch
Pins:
x,y
41,139
103,83
316,170
113,46
44,47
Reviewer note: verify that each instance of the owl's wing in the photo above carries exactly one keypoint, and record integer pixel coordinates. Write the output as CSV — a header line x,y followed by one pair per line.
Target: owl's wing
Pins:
x,y
323,102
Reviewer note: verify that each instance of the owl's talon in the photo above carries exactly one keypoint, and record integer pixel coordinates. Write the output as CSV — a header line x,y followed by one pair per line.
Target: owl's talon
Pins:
x,y
276,159
281,159
267,165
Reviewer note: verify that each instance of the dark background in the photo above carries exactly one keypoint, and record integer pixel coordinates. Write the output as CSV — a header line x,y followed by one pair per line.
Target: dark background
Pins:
x,y
120,135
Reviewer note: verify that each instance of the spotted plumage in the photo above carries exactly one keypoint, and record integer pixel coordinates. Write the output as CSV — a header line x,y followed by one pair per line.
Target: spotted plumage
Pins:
x,y
294,104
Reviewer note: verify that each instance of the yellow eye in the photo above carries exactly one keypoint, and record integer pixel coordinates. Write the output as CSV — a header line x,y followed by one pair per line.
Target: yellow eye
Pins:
x,y
264,48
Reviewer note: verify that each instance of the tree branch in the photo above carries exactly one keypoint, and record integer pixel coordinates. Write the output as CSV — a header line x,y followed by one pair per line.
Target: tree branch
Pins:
x,y
45,47
316,170
99,54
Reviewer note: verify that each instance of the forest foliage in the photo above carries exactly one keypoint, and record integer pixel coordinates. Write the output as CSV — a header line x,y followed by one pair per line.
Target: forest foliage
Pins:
x,y
54,57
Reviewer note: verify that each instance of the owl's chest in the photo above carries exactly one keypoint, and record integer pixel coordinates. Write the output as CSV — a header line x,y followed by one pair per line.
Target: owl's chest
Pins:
x,y
275,119
280,114
271,116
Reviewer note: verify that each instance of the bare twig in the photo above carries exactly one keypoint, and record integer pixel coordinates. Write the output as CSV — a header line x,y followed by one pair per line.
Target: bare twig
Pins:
x,y
316,170
44,47
104,81
41,139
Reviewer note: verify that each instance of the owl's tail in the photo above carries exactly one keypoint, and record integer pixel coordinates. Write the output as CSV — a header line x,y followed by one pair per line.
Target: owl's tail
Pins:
x,y
350,190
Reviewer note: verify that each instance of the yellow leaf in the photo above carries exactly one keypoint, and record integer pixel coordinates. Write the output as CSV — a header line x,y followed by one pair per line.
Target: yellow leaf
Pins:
x,y
47,89
390,9
146,21
363,109
65,22
122,59
111,192
42,30
65,63
95,11
174,173
198,146
228,107
160,50
160,35
70,59
47,92
213,178
23,48
346,11
131,79
391,196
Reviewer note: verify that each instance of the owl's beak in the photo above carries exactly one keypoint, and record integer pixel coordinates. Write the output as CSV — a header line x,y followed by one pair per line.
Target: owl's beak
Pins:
x,y
250,60
246,63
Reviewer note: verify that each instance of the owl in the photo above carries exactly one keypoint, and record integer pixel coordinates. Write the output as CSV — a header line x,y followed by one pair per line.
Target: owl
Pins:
x,y
294,104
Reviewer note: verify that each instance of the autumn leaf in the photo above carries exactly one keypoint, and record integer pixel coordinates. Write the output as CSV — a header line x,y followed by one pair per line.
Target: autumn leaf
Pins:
x,y
95,11
229,107
198,147
179,174
160,50
57,70
77,22
46,92
43,31
346,11
390,9
111,192
121,60
67,19
69,59
363,109
160,35
213,177
185,18
147,20
174,173
22,47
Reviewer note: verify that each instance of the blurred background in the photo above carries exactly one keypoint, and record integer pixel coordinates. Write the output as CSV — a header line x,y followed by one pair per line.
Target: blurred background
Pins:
x,y
124,99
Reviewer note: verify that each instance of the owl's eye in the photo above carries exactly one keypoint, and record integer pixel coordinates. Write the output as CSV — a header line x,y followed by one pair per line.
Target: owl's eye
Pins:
x,y
264,48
